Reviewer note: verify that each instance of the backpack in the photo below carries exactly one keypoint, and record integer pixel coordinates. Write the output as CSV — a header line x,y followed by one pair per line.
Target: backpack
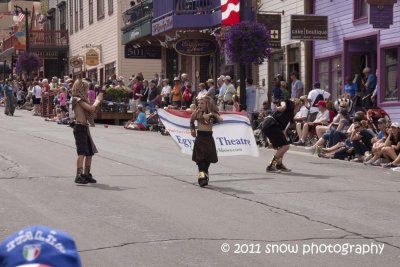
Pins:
x,y
319,97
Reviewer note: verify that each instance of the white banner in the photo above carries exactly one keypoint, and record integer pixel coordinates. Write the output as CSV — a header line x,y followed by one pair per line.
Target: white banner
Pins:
x,y
233,137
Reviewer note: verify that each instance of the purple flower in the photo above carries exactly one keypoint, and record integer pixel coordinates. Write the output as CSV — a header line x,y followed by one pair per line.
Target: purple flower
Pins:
x,y
246,42
28,62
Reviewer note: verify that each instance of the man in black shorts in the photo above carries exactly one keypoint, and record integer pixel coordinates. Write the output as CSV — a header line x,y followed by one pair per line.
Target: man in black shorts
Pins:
x,y
273,127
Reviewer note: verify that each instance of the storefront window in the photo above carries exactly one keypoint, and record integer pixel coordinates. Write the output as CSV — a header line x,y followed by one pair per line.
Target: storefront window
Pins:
x,y
390,74
323,74
279,64
330,75
294,60
109,70
336,74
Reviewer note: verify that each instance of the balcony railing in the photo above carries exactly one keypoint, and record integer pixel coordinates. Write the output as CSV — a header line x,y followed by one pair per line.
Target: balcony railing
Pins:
x,y
163,8
9,42
48,38
137,14
40,38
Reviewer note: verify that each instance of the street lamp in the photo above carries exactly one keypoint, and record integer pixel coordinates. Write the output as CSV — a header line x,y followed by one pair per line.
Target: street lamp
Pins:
x,y
18,10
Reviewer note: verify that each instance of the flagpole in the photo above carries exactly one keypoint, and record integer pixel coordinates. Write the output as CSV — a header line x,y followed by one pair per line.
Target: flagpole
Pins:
x,y
242,68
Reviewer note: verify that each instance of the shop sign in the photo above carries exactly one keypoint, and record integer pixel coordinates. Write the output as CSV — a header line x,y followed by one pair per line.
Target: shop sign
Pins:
x,y
48,54
381,13
195,47
144,52
309,27
92,57
273,24
162,25
76,62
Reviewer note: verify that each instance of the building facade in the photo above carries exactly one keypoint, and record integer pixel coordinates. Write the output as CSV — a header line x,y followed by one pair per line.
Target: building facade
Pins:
x,y
50,44
96,41
292,55
354,44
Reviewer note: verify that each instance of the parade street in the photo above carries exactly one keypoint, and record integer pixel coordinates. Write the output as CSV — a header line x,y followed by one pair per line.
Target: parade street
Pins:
x,y
148,210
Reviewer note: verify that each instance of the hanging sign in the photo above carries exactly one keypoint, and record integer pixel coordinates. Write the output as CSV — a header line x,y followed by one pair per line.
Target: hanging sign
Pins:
x,y
195,47
76,62
309,27
92,57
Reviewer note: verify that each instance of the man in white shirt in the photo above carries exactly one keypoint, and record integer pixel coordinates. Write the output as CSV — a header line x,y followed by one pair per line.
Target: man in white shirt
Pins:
x,y
323,118
165,93
202,91
314,96
230,91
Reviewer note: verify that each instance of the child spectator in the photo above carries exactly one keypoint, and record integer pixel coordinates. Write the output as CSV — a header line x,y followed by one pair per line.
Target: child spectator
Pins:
x,y
63,102
235,106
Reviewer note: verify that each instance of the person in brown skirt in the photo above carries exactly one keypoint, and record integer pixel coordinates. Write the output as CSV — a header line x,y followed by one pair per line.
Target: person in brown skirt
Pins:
x,y
204,150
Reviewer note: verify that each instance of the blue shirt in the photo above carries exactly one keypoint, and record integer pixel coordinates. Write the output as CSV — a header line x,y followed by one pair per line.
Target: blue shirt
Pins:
x,y
381,135
250,98
277,93
296,86
372,83
222,90
351,90
8,89
1,91
141,119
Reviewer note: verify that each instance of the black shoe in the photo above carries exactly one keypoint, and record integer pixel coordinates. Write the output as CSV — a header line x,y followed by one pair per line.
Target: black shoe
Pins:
x,y
272,168
90,179
81,179
300,143
282,168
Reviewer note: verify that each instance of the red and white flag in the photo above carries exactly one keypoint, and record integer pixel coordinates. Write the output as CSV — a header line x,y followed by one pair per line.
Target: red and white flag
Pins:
x,y
230,10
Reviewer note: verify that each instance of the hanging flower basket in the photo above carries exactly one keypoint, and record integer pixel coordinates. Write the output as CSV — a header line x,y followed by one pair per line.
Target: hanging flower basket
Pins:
x,y
28,62
248,42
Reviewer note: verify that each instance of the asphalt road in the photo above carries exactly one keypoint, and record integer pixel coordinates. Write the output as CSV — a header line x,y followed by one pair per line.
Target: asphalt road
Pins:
x,y
147,209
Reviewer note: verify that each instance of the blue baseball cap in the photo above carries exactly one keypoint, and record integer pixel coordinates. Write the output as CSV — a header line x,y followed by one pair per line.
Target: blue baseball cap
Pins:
x,y
39,246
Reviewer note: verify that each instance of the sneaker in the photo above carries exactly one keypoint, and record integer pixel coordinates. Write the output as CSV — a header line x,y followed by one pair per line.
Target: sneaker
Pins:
x,y
90,179
272,168
299,143
388,165
312,149
81,179
358,159
202,179
282,168
377,162
368,157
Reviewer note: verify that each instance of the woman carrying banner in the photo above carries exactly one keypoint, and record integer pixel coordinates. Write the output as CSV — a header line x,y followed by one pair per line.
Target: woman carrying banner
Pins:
x,y
273,127
204,151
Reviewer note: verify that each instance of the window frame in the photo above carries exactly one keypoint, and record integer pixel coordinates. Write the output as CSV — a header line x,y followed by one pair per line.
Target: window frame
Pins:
x,y
110,7
100,13
71,17
384,78
356,11
91,13
81,23
330,61
62,13
76,16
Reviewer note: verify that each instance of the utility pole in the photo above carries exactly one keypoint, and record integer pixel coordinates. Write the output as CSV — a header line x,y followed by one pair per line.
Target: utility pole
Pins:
x,y
242,68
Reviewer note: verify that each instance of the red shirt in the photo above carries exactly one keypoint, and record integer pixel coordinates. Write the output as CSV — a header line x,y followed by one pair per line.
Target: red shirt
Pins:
x,y
136,89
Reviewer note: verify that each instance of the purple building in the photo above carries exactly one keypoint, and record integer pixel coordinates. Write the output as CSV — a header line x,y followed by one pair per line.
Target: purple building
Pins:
x,y
360,35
